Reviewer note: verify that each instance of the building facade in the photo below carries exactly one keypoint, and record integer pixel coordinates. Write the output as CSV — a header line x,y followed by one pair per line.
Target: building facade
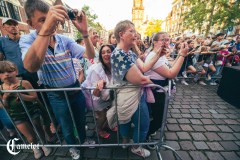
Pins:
x,y
173,23
14,9
138,15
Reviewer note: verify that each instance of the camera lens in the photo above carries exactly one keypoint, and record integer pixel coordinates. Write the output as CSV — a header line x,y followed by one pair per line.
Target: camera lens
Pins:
x,y
71,14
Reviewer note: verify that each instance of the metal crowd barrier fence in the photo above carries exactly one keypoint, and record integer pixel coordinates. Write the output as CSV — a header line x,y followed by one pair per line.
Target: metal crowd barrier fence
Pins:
x,y
180,76
159,143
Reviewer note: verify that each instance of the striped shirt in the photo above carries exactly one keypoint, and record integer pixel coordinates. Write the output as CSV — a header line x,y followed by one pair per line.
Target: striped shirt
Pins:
x,y
57,69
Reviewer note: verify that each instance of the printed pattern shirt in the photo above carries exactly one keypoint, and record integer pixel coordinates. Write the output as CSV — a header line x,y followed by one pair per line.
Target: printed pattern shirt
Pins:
x,y
121,62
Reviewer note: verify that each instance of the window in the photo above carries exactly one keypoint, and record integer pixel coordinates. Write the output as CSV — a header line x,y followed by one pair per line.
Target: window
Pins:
x,y
14,12
3,9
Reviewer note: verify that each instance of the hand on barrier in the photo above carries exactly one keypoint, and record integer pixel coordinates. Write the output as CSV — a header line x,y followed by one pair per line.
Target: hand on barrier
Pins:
x,y
101,84
99,87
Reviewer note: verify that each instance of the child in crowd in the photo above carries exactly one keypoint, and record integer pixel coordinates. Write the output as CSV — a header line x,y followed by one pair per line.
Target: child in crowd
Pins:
x,y
12,103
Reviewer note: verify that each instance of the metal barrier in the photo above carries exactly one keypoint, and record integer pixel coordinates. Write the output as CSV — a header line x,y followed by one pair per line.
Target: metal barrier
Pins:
x,y
99,143
180,76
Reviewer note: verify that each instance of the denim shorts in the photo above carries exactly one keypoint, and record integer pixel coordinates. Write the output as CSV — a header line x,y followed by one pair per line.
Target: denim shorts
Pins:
x,y
34,116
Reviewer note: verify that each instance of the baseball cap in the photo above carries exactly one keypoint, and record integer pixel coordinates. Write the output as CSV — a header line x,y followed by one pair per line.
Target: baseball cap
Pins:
x,y
5,20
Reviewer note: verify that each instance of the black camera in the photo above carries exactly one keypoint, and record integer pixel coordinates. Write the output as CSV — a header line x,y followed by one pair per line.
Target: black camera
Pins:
x,y
71,14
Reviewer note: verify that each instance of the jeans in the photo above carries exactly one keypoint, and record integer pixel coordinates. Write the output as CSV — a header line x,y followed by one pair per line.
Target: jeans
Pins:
x,y
62,113
144,123
4,118
217,73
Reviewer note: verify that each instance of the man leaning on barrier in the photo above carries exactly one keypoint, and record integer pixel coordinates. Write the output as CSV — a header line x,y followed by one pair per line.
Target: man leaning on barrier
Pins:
x,y
51,54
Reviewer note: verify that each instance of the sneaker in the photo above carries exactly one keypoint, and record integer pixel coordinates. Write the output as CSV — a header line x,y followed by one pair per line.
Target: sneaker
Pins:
x,y
47,151
208,77
184,74
103,134
140,151
202,83
151,146
75,154
154,134
184,82
89,142
86,127
213,83
37,153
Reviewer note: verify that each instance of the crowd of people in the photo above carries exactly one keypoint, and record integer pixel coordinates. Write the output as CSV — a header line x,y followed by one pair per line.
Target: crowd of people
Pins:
x,y
45,59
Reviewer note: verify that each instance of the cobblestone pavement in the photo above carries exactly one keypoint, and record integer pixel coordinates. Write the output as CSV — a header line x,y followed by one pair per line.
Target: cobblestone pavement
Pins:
x,y
201,126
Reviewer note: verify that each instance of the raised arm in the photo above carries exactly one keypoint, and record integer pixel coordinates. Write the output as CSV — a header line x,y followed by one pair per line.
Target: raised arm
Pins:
x,y
167,72
81,24
146,66
36,53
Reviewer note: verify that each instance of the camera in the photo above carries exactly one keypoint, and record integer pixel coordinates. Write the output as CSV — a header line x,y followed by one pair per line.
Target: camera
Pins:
x,y
71,14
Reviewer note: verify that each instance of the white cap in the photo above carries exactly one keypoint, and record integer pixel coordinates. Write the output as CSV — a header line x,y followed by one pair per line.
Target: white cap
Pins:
x,y
5,20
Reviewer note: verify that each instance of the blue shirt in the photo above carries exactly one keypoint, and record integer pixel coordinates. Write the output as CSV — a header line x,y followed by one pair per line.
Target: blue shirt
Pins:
x,y
121,62
12,52
57,69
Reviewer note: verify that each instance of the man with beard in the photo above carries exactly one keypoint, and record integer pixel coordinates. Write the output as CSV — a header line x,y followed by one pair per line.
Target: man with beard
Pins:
x,y
9,46
10,50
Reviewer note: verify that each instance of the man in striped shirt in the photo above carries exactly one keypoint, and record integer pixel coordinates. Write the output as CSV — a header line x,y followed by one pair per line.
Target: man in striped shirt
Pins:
x,y
51,54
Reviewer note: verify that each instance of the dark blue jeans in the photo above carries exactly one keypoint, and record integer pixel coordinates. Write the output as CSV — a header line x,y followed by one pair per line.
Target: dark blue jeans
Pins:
x,y
4,118
62,113
144,123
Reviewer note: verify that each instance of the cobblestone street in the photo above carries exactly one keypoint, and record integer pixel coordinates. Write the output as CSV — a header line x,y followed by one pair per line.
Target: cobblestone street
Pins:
x,y
201,126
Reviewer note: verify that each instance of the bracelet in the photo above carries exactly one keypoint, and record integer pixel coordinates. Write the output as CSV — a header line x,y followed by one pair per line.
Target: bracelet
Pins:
x,y
182,55
45,35
86,36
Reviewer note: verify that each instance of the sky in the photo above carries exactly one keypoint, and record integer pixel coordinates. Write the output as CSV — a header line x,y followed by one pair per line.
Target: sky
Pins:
x,y
110,12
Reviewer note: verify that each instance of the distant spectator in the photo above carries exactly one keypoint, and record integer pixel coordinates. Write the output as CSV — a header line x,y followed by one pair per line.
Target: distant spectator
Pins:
x,y
80,41
112,40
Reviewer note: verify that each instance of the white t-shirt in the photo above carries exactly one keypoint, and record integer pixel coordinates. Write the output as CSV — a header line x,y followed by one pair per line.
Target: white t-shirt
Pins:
x,y
161,61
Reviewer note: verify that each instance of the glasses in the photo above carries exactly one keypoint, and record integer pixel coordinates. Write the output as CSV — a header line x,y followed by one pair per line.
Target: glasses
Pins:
x,y
164,40
132,31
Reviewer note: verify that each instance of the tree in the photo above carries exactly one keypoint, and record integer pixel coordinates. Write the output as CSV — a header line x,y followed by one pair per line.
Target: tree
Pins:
x,y
229,15
210,13
153,26
91,20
